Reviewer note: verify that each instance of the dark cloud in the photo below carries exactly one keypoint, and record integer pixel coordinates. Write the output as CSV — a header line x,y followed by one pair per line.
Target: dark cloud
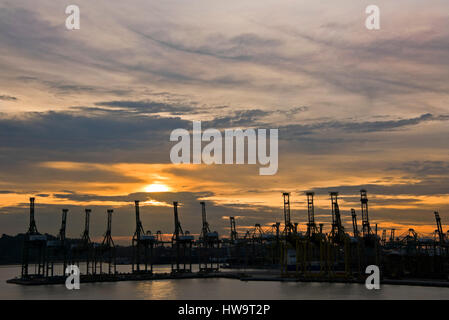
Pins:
x,y
240,118
130,132
430,186
82,136
167,197
149,107
423,168
7,98
297,130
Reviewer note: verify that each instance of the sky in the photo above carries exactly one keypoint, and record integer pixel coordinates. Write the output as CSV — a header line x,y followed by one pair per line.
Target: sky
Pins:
x,y
86,115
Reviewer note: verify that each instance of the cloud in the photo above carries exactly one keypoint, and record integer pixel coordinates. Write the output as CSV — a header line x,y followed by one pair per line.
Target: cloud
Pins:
x,y
81,136
241,47
7,98
149,107
431,186
294,131
423,168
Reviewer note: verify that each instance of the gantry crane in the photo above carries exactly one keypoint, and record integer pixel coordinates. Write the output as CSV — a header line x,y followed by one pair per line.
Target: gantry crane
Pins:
x,y
106,250
57,248
366,229
85,237
34,242
85,246
383,239
354,223
182,244
142,241
205,230
209,245
337,232
62,237
311,225
276,227
257,233
392,239
288,226
32,229
234,234
439,228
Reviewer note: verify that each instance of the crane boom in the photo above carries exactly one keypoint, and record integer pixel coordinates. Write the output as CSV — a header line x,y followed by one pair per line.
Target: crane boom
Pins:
x,y
63,225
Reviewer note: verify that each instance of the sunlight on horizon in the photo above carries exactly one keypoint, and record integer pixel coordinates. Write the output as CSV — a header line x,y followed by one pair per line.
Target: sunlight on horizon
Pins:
x,y
157,187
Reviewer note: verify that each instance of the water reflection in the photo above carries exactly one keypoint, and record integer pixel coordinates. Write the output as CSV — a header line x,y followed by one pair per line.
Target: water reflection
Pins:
x,y
204,289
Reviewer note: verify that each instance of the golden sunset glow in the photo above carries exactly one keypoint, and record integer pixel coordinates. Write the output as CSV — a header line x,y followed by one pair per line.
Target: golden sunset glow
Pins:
x,y
157,187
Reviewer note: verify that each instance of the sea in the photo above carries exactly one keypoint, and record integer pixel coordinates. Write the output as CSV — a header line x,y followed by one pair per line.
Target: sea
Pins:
x,y
210,289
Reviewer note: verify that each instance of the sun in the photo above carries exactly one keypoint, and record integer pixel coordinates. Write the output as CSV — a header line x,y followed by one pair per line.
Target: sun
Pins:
x,y
157,187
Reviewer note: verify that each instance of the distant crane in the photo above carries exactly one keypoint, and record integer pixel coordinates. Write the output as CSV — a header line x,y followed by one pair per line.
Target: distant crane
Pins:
x,y
392,238
63,226
439,227
234,234
257,233
107,247
139,228
205,230
62,237
311,225
178,229
85,236
366,229
337,228
276,227
32,229
210,243
86,244
56,248
288,227
384,237
141,242
354,223
182,243
107,240
33,241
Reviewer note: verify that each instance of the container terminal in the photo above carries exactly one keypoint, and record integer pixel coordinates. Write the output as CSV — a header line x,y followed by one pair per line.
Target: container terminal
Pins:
x,y
278,253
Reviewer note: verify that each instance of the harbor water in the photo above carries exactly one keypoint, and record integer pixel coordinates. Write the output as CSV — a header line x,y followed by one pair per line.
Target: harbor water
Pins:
x,y
205,289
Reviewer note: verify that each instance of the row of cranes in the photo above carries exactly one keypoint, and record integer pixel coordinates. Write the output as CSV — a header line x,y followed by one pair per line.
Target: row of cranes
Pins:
x,y
337,233
339,249
49,251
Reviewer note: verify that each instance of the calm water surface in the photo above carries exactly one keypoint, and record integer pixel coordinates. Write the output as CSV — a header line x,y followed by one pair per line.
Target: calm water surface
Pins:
x,y
205,289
